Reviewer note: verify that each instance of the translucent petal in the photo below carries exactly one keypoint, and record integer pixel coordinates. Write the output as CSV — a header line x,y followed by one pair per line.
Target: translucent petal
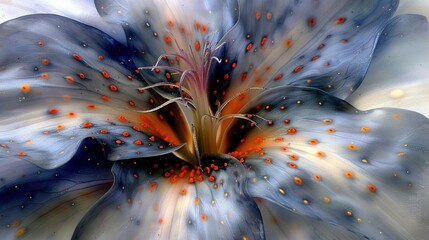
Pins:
x,y
161,204
399,73
83,11
322,44
48,204
317,156
155,28
281,223
62,81
413,7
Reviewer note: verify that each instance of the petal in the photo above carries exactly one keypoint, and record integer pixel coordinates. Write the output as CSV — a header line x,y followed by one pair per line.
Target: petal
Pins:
x,y
317,156
62,81
281,223
45,204
413,7
10,9
155,28
144,203
399,72
322,44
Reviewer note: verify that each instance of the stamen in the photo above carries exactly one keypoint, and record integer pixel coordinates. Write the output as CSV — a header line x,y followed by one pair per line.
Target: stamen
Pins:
x,y
180,100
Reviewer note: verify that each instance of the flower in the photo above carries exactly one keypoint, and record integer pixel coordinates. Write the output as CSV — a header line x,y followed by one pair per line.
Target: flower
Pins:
x,y
218,120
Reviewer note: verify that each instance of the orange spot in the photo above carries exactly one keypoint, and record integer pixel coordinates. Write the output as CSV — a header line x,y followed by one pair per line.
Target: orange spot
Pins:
x,y
53,111
372,188
77,57
104,131
327,121
100,57
352,147
315,58
364,129
197,45
268,160
249,46
167,39
70,79
203,28
317,177
292,165
138,142
298,180
330,130
152,138
59,127
20,232
105,74
293,157
340,20
71,114
183,192
313,141
153,186
291,131
298,68
311,22
348,174
45,61
263,41
278,77
125,134
269,15
288,43
105,98
21,154
197,200
81,75
44,75
91,106
203,217
40,44
87,124
113,88
258,15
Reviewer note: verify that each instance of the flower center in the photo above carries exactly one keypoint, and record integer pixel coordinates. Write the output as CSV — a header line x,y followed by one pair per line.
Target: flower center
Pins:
x,y
192,87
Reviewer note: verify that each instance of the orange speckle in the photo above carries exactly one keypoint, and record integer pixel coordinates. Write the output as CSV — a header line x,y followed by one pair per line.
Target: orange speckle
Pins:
x,y
311,22
71,114
298,68
152,138
352,147
330,130
292,165
25,88
69,79
364,129
122,118
20,232
317,177
183,191
91,106
77,57
125,134
104,131
327,121
81,75
348,174
87,124
105,98
291,131
258,15
113,88
372,188
197,45
293,157
40,44
45,61
59,127
53,111
278,77
100,57
340,20
105,74
249,46
21,154
203,217
313,142
153,186
298,180
288,43
138,142
268,160
167,39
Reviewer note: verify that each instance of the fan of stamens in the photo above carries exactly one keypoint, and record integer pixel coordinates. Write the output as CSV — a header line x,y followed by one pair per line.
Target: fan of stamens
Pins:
x,y
205,124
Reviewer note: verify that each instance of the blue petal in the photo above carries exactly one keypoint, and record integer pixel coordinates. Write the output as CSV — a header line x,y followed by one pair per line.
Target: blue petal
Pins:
x,y
399,73
62,81
318,156
322,44
144,203
39,204
155,28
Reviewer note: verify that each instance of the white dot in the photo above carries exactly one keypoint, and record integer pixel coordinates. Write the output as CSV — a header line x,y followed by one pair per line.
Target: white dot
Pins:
x,y
396,93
